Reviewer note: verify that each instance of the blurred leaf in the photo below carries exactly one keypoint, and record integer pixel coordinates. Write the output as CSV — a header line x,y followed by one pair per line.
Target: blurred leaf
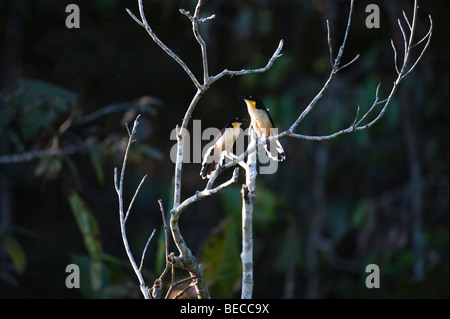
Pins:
x,y
264,209
116,261
95,152
32,89
360,213
99,276
16,253
87,225
49,167
36,105
83,262
220,256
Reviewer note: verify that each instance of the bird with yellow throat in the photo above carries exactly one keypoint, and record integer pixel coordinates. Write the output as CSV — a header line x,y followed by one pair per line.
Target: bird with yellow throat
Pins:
x,y
263,124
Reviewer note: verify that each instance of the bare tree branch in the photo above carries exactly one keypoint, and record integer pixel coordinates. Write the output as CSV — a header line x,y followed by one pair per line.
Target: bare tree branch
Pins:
x,y
248,197
205,193
134,197
143,23
357,124
37,154
145,248
118,183
186,259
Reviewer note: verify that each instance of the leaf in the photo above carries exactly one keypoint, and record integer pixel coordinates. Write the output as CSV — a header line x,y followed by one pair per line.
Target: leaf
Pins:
x,y
87,225
99,276
83,262
48,167
16,253
32,89
264,210
95,153
221,255
360,213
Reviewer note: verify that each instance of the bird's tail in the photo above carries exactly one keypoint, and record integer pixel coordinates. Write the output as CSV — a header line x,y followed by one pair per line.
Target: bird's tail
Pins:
x,y
209,163
275,150
208,169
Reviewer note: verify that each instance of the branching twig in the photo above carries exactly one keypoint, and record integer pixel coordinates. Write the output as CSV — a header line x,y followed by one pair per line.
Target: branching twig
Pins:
x,y
145,248
118,183
357,123
143,23
205,193
186,258
38,154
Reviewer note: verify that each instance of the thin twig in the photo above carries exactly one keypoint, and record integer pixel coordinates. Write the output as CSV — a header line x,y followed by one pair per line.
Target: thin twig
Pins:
x,y
118,183
145,248
134,197
143,23
395,57
330,47
205,193
166,236
38,154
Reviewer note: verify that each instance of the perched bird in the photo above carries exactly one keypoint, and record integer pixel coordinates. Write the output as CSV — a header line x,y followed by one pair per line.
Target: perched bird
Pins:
x,y
262,123
223,145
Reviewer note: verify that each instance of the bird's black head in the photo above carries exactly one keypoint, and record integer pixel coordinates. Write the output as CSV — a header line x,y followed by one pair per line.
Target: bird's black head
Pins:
x,y
253,101
236,121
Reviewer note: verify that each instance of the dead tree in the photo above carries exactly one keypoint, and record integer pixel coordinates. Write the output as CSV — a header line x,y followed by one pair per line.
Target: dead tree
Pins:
x,y
185,259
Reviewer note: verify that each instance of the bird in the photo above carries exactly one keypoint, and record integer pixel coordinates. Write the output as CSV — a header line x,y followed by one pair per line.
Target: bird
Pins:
x,y
262,123
223,145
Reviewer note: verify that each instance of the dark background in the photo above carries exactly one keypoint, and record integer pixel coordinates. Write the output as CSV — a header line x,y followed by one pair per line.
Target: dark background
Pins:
x,y
378,196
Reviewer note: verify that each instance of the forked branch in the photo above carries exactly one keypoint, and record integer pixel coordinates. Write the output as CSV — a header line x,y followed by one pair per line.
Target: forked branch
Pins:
x,y
118,183
358,123
186,260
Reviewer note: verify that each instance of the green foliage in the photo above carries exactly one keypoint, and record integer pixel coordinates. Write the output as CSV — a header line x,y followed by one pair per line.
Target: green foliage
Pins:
x,y
87,224
48,167
101,275
15,252
220,253
220,256
33,108
367,179
360,213
265,208
95,154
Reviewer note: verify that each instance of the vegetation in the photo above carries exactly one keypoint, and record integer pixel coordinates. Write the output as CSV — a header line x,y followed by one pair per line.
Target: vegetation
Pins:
x,y
333,207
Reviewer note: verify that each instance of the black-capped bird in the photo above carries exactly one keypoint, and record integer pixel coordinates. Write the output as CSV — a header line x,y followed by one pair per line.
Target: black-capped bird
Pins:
x,y
223,145
262,123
